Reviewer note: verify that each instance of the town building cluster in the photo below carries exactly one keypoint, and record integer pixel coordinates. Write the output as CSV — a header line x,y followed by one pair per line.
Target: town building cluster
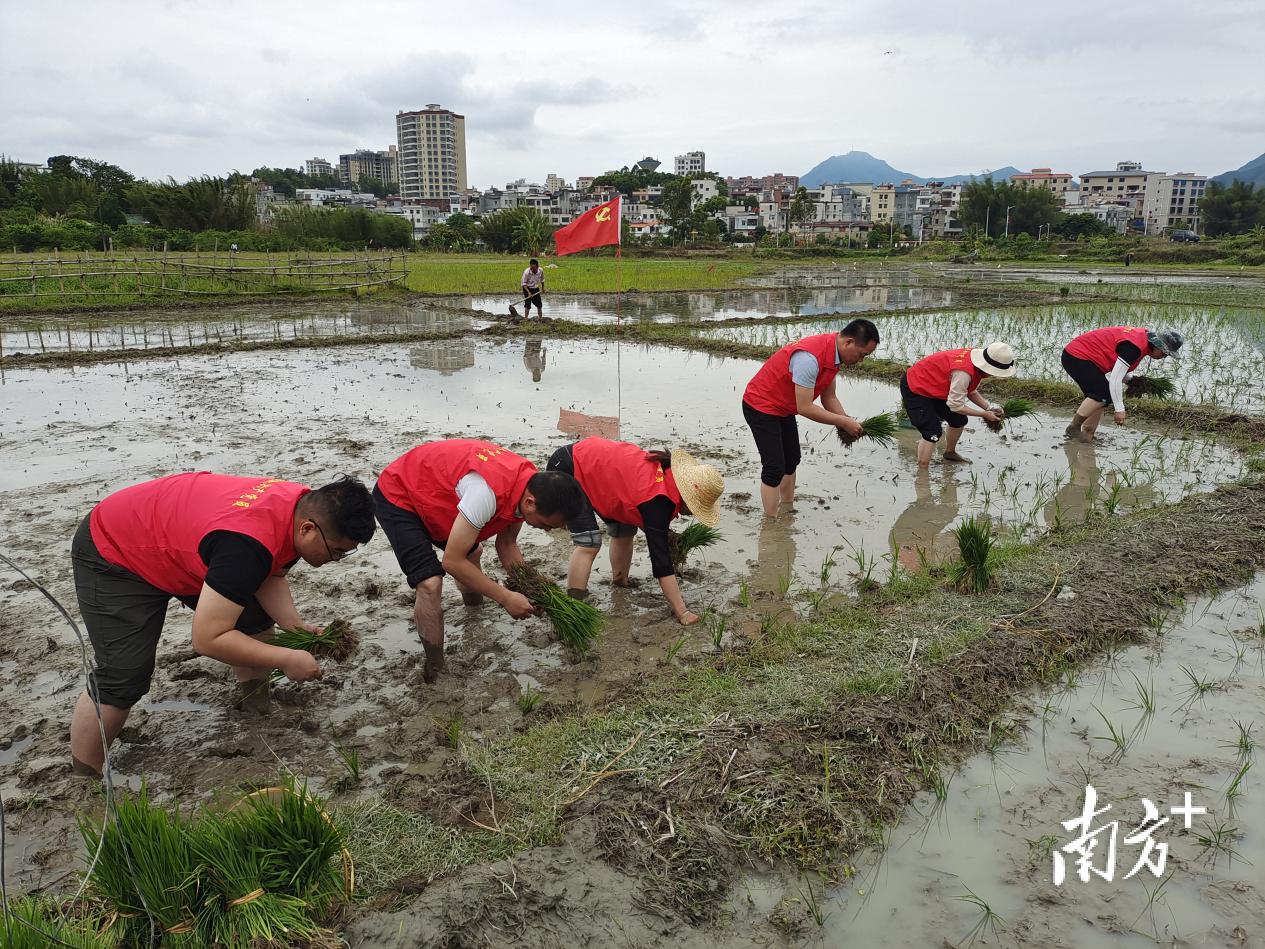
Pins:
x,y
427,167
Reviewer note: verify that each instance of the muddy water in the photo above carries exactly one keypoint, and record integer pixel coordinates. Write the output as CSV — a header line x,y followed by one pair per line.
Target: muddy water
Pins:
x,y
1222,360
163,329
1113,275
992,834
69,436
702,307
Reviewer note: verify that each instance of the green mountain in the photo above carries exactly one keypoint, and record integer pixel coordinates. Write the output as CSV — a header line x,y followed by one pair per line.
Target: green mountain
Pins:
x,y
1253,172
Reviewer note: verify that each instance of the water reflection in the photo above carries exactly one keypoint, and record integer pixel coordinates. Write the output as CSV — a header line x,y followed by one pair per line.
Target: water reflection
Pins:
x,y
534,357
445,356
917,529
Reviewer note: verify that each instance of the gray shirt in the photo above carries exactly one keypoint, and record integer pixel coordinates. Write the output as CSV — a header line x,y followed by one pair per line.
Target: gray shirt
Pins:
x,y
804,368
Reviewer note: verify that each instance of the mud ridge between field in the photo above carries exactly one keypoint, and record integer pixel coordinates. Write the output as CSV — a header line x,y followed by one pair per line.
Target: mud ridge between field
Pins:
x,y
661,855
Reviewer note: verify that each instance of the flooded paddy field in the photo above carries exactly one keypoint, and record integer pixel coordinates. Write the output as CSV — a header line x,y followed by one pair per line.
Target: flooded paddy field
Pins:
x,y
1222,362
70,435
1181,715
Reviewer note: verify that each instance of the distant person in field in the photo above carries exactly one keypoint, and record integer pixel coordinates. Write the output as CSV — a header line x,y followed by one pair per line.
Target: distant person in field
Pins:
x,y
533,289
219,544
451,496
788,385
1101,361
630,488
944,388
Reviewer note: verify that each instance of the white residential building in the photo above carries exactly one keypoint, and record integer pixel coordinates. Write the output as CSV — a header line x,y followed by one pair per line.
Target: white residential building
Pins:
x,y
1172,201
1126,185
432,147
1057,181
421,216
690,163
554,182
704,188
317,167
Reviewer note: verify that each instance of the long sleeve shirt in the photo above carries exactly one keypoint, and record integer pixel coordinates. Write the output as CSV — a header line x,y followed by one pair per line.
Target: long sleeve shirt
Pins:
x,y
959,386
1126,355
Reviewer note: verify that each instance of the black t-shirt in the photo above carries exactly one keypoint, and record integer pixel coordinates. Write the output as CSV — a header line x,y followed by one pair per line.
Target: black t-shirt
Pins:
x,y
656,516
1128,352
236,565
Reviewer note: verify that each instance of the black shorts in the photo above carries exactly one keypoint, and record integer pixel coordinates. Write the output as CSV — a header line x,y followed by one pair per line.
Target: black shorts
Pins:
x,y
532,296
926,414
124,616
414,547
583,527
777,441
1091,379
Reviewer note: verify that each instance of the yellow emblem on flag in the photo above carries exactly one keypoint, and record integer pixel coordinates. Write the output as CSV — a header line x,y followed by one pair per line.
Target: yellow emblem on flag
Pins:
x,y
603,214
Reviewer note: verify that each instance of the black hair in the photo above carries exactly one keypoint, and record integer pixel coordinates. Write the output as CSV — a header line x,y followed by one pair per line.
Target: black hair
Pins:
x,y
861,332
556,493
534,261
660,455
345,505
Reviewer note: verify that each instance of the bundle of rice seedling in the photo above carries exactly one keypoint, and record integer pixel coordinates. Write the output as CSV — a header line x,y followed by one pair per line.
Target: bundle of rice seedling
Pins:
x,y
238,909
146,866
576,624
973,573
1013,409
336,641
680,543
1157,386
881,428
38,923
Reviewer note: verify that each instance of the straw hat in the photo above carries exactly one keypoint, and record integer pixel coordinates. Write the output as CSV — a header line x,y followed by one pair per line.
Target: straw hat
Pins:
x,y
700,485
996,359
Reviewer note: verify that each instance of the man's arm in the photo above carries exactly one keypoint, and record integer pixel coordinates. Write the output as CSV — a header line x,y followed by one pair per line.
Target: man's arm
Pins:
x,y
215,635
968,404
805,406
458,565
275,597
507,549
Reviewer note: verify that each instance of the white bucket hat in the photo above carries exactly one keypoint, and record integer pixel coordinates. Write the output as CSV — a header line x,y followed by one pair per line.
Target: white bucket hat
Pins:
x,y
996,359
700,485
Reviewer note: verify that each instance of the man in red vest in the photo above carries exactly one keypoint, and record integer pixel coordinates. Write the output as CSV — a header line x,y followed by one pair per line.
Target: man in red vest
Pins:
x,y
788,385
943,388
218,543
1100,362
630,488
453,495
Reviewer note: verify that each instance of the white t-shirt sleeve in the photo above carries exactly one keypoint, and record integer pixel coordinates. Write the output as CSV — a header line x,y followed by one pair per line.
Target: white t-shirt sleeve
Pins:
x,y
804,368
476,502
1115,383
959,386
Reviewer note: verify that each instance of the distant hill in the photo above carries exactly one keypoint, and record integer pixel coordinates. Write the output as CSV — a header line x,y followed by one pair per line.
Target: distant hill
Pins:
x,y
862,166
1253,171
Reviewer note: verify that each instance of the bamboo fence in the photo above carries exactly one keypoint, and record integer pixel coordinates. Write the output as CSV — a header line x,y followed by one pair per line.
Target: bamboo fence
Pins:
x,y
193,274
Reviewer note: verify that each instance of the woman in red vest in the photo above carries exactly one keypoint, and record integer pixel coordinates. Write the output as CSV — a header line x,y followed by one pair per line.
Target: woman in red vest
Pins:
x,y
631,488
219,544
943,387
1100,362
453,495
788,385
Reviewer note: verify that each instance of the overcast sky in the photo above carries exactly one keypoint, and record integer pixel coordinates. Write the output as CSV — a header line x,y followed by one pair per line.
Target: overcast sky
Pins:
x,y
187,88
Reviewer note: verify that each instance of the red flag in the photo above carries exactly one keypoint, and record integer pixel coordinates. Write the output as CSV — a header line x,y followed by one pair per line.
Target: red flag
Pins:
x,y
594,228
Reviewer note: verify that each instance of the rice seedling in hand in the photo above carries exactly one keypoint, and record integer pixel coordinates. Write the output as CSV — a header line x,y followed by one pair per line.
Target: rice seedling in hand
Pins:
x,y
146,867
1157,386
577,625
336,641
880,428
973,573
680,543
34,923
1012,409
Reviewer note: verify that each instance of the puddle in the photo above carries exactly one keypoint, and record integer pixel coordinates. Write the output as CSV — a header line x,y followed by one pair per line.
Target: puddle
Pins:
x,y
992,834
1222,361
704,307
10,750
165,329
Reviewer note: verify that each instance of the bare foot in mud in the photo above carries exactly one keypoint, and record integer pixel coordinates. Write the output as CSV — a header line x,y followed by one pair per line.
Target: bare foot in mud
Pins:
x,y
471,598
434,662
576,593
954,456
254,696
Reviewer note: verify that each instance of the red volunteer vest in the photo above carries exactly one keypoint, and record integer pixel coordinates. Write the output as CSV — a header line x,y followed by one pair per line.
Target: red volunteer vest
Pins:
x,y
617,476
772,390
154,529
1099,346
424,481
930,375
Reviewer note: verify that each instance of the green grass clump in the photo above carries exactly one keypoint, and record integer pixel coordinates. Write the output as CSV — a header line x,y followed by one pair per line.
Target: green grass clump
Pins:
x,y
680,543
1157,386
1013,409
881,428
38,923
576,624
973,573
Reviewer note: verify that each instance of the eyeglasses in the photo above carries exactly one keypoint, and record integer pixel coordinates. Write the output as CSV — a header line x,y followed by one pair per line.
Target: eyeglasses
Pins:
x,y
329,550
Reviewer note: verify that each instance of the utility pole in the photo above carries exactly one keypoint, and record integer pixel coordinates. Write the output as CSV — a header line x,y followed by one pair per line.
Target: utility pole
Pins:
x,y
1008,210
